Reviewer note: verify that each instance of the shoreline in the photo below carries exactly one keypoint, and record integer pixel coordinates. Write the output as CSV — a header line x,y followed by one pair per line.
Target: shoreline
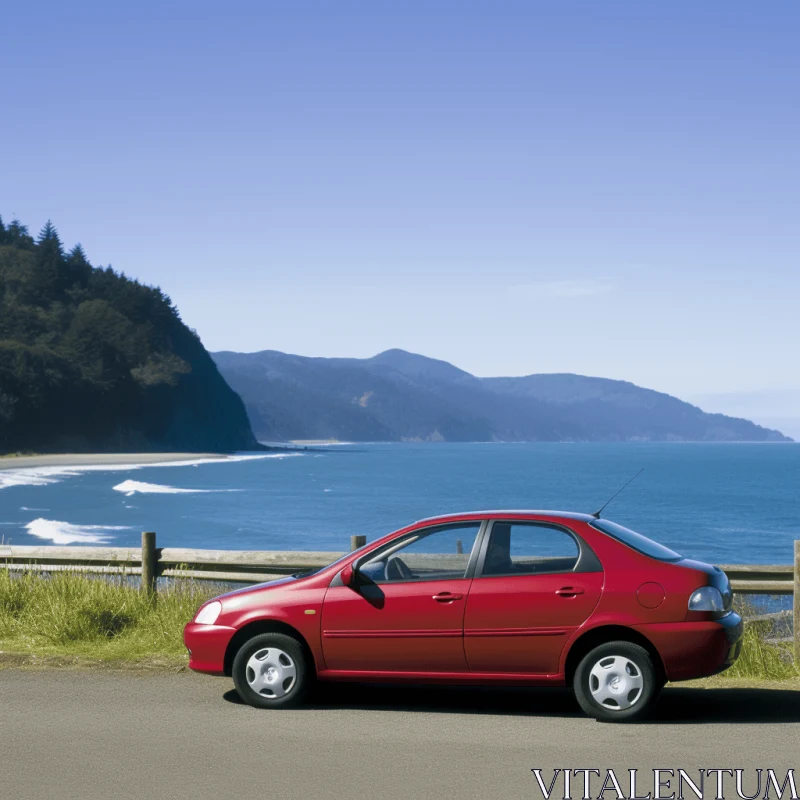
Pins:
x,y
100,459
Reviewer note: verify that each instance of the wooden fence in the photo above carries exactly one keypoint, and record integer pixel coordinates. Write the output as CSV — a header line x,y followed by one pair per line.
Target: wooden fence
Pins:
x,y
257,566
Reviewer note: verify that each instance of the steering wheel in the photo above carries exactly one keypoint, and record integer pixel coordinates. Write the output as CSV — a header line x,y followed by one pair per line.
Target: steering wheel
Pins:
x,y
397,569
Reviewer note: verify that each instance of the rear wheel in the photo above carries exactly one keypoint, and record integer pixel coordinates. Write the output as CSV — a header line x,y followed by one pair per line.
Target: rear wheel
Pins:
x,y
616,682
271,671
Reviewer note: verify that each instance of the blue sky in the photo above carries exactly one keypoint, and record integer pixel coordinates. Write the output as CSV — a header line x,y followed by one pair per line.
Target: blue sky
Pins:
x,y
604,188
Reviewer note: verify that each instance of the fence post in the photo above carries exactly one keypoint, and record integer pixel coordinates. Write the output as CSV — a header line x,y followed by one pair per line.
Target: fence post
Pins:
x,y
149,563
357,541
796,619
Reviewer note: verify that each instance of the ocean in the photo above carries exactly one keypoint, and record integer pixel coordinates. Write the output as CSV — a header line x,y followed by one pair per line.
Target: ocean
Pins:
x,y
724,503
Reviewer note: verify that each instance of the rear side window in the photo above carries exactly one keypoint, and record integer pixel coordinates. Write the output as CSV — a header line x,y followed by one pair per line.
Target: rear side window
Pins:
x,y
635,540
518,549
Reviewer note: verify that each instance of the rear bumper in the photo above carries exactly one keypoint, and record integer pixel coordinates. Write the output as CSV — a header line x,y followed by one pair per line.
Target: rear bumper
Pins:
x,y
696,649
207,645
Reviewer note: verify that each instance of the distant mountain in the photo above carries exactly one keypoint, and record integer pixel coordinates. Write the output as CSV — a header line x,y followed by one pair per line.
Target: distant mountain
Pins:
x,y
396,396
91,360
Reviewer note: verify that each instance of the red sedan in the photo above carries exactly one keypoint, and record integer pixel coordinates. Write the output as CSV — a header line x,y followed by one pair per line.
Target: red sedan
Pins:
x,y
525,598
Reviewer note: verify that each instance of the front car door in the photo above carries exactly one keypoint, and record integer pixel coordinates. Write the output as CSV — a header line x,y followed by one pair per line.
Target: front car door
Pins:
x,y
535,583
407,612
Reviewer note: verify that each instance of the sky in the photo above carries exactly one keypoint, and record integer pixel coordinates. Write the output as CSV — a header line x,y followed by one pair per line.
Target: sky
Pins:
x,y
606,188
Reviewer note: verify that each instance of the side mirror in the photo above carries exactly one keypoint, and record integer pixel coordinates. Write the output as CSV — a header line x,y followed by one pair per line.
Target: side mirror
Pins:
x,y
349,576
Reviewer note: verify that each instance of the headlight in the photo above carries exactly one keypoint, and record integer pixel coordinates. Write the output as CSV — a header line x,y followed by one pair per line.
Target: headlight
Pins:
x,y
208,614
707,598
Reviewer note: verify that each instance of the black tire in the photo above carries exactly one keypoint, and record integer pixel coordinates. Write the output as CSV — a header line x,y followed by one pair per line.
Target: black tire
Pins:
x,y
636,674
285,654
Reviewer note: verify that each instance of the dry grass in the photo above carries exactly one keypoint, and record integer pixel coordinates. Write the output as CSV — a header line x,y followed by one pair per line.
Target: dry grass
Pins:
x,y
760,659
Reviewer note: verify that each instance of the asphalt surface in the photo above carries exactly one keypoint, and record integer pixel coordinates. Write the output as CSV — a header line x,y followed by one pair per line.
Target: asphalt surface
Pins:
x,y
68,734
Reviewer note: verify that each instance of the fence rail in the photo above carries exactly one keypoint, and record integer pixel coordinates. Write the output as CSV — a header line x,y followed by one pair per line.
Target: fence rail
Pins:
x,y
257,566
151,562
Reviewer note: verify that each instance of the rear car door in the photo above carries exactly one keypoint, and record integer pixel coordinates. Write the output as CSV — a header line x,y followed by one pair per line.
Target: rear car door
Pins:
x,y
535,583
407,612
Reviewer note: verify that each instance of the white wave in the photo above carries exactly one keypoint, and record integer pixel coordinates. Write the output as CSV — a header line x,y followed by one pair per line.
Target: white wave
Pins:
x,y
130,488
26,508
32,476
60,532
262,456
43,476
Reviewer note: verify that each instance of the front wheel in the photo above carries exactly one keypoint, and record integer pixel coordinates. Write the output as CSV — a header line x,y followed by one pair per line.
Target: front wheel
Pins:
x,y
616,682
271,671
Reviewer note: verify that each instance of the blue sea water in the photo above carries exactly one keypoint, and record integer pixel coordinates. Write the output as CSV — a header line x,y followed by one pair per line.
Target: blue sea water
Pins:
x,y
723,503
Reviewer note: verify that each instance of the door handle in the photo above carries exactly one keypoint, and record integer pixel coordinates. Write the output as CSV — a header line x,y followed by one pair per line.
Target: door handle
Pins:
x,y
569,591
446,597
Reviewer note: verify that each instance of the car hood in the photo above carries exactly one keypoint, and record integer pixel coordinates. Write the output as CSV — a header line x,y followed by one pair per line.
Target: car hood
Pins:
x,y
259,586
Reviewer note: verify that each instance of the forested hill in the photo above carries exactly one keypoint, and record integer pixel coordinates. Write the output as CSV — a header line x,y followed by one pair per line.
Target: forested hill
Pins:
x,y
91,360
398,395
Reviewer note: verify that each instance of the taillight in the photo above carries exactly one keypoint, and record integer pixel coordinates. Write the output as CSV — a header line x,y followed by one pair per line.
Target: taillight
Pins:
x,y
711,599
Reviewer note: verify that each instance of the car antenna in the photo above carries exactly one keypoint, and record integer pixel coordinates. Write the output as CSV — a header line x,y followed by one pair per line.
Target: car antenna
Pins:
x,y
597,513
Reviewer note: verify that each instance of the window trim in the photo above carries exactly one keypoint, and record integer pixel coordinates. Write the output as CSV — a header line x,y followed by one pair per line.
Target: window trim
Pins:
x,y
428,530
587,560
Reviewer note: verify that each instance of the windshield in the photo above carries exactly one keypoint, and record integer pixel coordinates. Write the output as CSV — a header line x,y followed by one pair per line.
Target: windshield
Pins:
x,y
636,540
306,572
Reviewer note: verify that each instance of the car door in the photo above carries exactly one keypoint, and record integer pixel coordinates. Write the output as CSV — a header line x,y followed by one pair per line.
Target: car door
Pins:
x,y
406,613
534,585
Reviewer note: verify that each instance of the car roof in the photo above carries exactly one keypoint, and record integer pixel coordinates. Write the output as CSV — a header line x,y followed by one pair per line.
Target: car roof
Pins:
x,y
521,513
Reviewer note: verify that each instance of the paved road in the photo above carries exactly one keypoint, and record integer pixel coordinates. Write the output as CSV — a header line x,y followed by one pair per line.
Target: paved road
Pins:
x,y
66,734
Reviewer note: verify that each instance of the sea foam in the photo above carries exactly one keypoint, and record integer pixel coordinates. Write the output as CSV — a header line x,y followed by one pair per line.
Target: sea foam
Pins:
x,y
130,488
45,475
60,532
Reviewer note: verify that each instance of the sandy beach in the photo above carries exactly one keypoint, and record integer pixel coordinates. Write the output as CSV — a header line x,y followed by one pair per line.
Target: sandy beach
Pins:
x,y
98,459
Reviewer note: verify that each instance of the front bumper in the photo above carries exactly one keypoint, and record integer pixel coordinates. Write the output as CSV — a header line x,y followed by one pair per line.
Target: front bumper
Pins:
x,y
207,645
696,649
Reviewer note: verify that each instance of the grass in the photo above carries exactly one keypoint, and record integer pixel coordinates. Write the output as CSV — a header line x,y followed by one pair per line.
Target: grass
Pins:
x,y
69,617
103,619
760,659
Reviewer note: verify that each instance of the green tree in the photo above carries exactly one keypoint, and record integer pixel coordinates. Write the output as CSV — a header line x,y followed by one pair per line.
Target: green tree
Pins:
x,y
17,234
78,269
50,262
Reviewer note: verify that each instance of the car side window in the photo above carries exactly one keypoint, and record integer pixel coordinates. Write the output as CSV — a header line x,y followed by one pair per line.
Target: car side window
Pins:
x,y
516,548
430,554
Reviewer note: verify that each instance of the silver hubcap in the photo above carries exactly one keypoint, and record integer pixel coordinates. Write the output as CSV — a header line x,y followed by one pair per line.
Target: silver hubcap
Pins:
x,y
271,673
616,683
